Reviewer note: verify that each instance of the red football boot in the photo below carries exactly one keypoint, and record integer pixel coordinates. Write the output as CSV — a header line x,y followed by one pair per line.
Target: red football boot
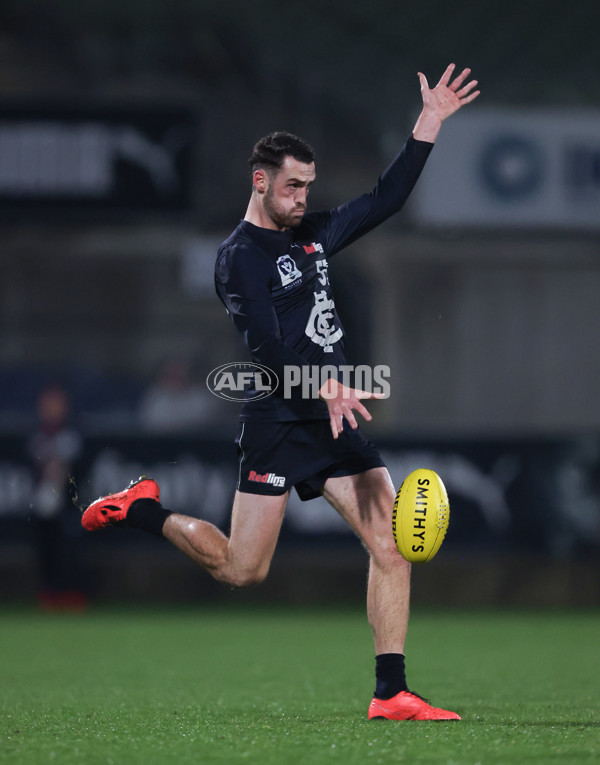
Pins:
x,y
112,509
407,706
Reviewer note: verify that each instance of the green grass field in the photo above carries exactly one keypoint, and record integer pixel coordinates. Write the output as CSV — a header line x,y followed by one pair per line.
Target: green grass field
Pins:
x,y
283,686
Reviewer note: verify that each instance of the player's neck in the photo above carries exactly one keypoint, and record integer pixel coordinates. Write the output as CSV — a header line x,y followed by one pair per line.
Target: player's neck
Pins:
x,y
258,216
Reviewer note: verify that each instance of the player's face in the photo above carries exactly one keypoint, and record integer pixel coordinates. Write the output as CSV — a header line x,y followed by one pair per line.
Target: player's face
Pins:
x,y
285,198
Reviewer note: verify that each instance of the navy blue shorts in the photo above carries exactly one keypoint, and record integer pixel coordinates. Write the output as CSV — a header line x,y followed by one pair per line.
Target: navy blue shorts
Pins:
x,y
274,456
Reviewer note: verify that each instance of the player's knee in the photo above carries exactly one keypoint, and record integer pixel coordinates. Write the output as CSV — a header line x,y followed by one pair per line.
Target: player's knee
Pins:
x,y
249,577
385,555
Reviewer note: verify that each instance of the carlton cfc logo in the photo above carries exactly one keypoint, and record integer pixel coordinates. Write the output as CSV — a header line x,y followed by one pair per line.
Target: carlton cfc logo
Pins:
x,y
321,325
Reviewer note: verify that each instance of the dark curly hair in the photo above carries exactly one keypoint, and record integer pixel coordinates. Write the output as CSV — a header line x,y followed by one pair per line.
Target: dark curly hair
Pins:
x,y
270,151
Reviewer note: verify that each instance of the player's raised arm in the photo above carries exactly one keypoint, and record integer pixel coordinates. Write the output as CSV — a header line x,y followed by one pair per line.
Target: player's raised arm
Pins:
x,y
441,102
355,218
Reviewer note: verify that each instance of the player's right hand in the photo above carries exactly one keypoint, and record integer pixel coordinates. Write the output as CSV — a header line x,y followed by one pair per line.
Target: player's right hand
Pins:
x,y
341,401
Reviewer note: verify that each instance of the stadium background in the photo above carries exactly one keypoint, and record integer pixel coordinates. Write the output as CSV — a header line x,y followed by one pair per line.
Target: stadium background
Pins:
x,y
124,132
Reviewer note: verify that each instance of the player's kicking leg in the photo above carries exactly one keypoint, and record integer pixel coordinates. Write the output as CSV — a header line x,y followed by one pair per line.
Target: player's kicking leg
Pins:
x,y
365,501
244,557
239,560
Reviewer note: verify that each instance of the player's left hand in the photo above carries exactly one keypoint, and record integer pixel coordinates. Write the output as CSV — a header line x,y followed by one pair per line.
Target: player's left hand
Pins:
x,y
341,401
448,96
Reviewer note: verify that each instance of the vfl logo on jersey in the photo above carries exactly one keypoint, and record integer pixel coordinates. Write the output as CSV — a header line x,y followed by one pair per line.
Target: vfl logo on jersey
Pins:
x,y
320,326
288,270
314,247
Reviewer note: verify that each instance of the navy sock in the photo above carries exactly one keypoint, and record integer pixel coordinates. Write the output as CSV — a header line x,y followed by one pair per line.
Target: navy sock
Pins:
x,y
390,675
147,514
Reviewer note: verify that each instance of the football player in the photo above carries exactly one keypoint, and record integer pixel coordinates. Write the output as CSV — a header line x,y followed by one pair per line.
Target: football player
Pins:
x,y
272,276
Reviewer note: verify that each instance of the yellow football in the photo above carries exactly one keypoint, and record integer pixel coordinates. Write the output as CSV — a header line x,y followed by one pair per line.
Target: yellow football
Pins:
x,y
421,516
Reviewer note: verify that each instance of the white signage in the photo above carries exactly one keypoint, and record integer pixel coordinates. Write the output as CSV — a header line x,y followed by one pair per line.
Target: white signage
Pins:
x,y
537,167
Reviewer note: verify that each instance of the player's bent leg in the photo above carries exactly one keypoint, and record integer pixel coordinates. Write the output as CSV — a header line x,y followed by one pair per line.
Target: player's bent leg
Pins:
x,y
239,560
243,558
366,502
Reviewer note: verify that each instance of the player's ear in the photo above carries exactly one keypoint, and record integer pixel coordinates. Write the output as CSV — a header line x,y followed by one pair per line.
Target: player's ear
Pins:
x,y
260,180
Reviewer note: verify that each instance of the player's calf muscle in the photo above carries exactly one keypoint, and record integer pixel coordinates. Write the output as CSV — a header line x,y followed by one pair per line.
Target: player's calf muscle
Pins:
x,y
199,540
210,548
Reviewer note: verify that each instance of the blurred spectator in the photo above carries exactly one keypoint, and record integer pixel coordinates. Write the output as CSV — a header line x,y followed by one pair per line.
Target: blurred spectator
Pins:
x,y
174,403
54,449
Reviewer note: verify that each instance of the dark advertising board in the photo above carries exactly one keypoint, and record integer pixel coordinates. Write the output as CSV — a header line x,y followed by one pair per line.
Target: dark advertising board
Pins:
x,y
60,161
529,495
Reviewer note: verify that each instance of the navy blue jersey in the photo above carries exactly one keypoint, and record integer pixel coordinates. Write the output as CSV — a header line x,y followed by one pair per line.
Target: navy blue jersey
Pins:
x,y
275,285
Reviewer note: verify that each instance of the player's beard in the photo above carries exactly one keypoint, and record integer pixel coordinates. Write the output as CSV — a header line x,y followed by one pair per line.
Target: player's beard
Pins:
x,y
280,217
